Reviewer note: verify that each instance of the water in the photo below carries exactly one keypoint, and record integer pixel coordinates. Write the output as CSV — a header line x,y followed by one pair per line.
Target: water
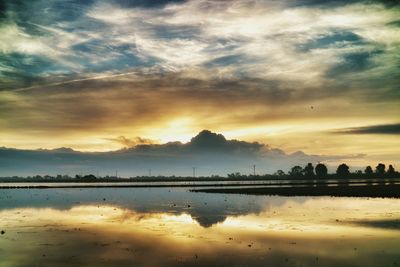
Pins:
x,y
175,227
192,183
143,184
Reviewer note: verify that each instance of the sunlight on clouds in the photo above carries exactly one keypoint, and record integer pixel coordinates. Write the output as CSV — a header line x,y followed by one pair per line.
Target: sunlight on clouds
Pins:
x,y
266,36
110,14
248,69
176,53
14,39
265,131
180,129
359,16
388,36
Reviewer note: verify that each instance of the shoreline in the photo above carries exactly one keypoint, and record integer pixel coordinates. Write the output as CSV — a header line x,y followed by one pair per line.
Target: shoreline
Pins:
x,y
391,191
279,189
215,183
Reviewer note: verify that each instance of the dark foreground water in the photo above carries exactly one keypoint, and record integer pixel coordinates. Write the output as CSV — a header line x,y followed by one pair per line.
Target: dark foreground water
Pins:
x,y
175,227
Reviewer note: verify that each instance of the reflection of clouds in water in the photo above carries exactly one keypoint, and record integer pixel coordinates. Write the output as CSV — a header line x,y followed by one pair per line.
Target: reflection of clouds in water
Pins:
x,y
107,235
207,209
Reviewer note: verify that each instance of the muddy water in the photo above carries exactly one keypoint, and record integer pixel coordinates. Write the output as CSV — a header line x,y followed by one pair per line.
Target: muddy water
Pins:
x,y
174,227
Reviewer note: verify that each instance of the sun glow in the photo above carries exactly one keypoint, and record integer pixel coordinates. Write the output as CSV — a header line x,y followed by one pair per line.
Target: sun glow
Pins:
x,y
180,129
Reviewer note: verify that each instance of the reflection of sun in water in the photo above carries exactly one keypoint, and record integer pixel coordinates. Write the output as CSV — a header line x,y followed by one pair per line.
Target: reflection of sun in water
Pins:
x,y
293,218
303,227
312,218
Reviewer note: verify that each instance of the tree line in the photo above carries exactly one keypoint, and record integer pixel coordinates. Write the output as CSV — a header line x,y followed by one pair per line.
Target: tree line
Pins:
x,y
342,171
319,172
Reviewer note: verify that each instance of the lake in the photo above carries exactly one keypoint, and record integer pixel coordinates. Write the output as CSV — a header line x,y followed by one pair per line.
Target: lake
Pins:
x,y
175,227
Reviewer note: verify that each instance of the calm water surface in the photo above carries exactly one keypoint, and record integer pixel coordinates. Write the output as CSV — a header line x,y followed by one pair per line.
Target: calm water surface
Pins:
x,y
174,227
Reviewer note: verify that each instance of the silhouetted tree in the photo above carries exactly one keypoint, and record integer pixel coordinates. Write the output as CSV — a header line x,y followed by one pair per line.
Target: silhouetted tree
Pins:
x,y
380,169
368,171
309,170
88,178
369,174
296,171
343,170
321,170
279,173
234,175
391,172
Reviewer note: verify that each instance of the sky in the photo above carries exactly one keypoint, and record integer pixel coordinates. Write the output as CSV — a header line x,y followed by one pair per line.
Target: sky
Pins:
x,y
320,77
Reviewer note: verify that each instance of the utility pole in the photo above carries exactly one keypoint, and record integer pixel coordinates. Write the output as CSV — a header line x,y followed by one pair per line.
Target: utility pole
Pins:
x,y
149,172
116,173
194,171
254,170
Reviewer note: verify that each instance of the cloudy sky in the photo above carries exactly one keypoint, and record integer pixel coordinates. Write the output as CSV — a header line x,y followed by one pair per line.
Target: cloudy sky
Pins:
x,y
317,76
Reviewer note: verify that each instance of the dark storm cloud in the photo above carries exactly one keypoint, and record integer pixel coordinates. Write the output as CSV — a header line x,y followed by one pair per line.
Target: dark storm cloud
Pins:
x,y
373,129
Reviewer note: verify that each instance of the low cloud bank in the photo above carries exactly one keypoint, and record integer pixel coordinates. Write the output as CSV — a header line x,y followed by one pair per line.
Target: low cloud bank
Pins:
x,y
208,152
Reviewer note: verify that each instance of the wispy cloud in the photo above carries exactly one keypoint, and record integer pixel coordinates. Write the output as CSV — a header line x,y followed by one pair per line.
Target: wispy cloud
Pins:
x,y
131,142
231,39
372,129
78,68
